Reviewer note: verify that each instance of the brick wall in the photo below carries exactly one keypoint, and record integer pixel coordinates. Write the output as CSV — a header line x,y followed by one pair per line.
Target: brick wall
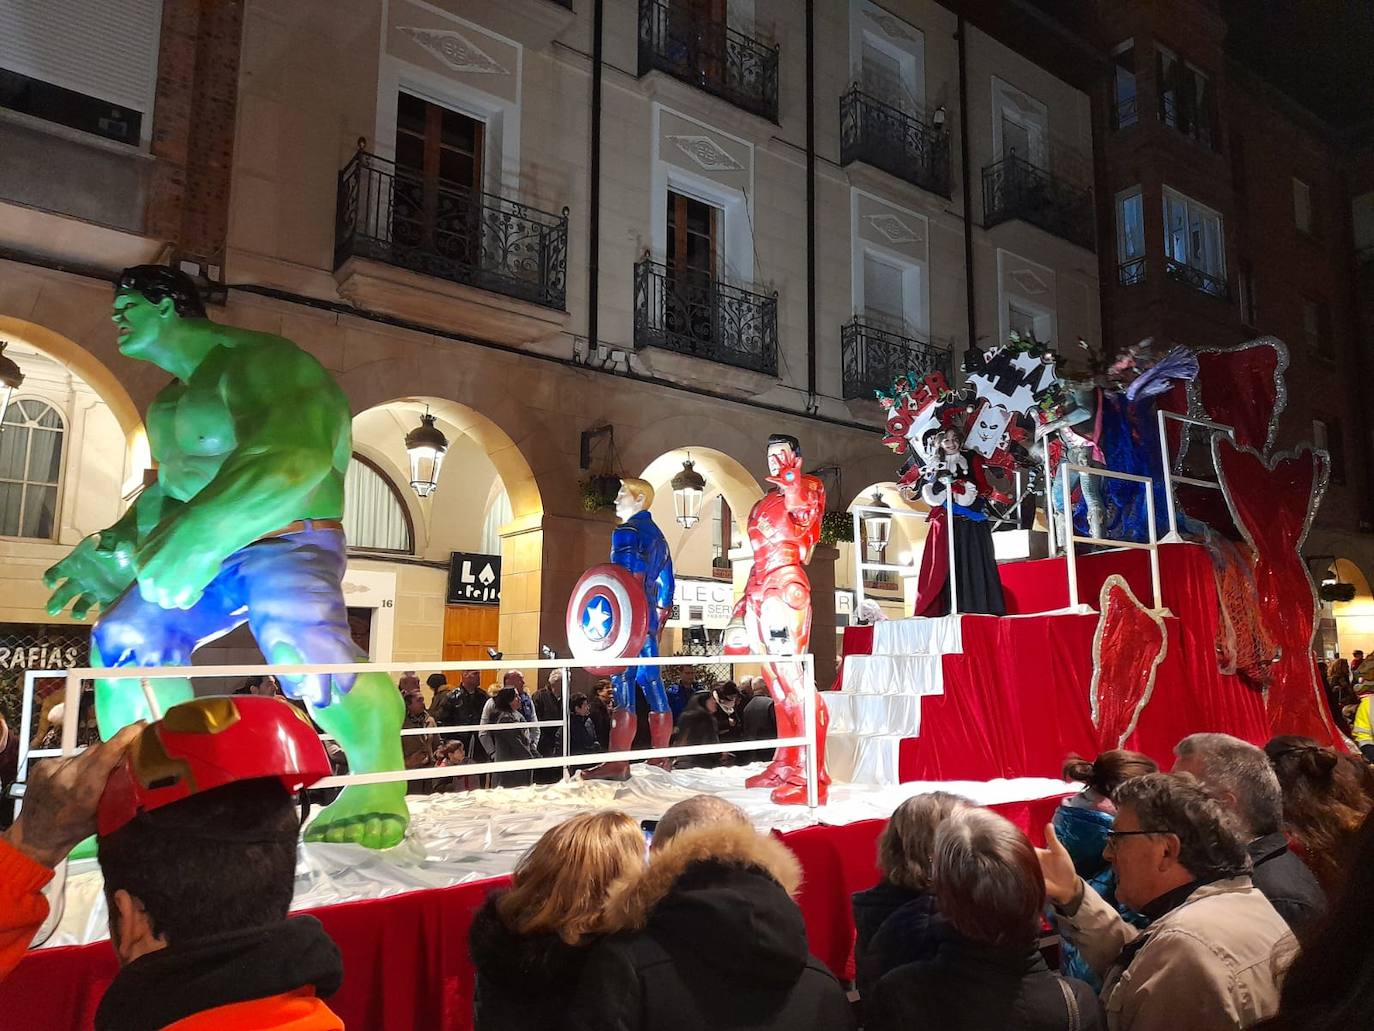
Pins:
x,y
193,127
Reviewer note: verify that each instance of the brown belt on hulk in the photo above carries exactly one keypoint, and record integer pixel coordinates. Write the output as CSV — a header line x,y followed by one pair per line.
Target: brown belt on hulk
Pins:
x,y
301,525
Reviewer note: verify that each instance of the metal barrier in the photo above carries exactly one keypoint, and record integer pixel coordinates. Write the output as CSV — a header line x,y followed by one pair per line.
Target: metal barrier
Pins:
x,y
76,677
1165,418
1072,538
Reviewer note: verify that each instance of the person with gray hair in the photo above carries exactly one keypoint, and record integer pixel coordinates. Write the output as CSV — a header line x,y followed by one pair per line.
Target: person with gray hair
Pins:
x,y
1215,951
1239,776
897,921
708,936
988,973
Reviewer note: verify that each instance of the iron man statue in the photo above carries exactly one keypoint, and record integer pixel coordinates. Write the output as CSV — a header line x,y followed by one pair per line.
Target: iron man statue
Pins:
x,y
774,616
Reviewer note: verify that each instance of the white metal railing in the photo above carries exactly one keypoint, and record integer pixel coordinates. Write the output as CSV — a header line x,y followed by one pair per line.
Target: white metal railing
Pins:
x,y
1168,465
76,677
1072,538
861,564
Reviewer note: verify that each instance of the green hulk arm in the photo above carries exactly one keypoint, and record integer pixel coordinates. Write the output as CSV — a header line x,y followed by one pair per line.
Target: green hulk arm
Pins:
x,y
288,424
101,567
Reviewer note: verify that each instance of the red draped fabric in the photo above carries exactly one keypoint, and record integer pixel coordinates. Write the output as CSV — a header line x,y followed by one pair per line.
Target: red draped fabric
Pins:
x,y
405,957
1240,388
1016,701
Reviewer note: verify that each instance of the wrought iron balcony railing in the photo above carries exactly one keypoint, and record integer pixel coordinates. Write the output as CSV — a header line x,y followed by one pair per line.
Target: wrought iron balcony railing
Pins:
x,y
692,313
875,355
441,229
708,54
1204,282
1015,188
1131,272
888,138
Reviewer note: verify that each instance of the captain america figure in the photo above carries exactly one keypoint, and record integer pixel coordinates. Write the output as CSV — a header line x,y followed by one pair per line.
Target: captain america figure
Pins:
x,y
638,546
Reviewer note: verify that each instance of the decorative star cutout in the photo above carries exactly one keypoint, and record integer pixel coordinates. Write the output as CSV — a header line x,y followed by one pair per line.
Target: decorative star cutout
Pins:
x,y
596,619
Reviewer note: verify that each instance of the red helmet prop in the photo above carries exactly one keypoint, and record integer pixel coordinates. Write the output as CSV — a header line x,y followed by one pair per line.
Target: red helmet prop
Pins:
x,y
207,743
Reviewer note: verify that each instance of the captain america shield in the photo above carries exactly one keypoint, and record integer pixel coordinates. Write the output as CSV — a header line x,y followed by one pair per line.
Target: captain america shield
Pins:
x,y
608,618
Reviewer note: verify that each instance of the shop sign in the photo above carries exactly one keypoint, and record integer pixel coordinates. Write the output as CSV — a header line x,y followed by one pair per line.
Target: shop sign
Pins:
x,y
26,646
844,608
474,579
707,603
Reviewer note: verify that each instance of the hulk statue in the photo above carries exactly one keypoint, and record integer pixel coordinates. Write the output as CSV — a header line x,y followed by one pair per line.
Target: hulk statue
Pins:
x,y
252,439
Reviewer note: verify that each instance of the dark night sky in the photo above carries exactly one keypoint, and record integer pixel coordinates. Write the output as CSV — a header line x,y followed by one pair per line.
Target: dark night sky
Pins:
x,y
1320,52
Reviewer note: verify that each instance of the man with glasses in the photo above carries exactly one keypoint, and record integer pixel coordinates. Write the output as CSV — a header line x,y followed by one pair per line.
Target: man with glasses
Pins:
x,y
1214,952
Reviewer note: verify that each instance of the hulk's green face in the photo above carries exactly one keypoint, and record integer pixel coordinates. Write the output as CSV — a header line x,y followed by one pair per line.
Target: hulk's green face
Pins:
x,y
141,322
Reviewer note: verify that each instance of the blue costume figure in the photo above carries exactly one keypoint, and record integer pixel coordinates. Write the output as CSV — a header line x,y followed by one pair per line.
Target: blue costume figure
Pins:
x,y
638,545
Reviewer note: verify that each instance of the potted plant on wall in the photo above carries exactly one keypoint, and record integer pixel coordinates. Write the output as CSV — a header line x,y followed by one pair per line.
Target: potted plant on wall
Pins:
x,y
599,491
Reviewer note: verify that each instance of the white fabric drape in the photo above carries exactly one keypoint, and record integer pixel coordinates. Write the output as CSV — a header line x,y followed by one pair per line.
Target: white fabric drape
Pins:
x,y
373,516
498,515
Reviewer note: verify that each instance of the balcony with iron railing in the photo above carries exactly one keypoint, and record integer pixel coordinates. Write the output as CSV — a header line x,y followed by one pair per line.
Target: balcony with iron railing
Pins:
x,y
695,314
874,355
894,141
1131,272
1014,188
392,215
709,55
1189,275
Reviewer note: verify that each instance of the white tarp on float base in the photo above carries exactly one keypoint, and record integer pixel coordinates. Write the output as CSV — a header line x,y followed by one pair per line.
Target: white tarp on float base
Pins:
x,y
466,836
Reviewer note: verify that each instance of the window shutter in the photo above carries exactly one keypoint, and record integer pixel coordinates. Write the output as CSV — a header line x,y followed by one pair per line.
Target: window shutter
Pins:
x,y
106,49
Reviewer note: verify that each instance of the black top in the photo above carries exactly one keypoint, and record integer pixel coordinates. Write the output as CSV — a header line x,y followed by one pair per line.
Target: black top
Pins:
x,y
524,982
969,986
1286,882
893,926
725,948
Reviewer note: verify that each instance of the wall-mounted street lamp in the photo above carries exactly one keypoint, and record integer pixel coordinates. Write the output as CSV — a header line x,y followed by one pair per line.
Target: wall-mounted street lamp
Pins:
x,y
689,487
426,446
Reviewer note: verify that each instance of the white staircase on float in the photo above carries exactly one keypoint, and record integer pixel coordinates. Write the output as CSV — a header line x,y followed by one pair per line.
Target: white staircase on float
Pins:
x,y
880,703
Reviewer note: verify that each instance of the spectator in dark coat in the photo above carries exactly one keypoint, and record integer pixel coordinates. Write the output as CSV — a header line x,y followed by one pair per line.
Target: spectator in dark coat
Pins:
x,y
989,973
759,722
548,705
510,745
462,707
729,708
1239,775
529,944
896,921
681,690
698,727
602,703
709,937
581,726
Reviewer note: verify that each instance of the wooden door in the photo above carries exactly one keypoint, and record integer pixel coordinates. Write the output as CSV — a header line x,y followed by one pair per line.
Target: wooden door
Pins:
x,y
439,156
469,630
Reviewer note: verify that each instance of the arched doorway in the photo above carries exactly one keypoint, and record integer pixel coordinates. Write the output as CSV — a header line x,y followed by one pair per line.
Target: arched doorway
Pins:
x,y
711,558
892,588
482,522
1354,619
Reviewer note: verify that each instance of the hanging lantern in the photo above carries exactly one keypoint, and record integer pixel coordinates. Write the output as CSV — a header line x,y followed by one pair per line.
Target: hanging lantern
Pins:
x,y
10,378
688,489
877,525
425,445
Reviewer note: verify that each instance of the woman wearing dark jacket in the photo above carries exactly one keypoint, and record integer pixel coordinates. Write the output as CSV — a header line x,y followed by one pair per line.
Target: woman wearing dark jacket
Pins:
x,y
896,920
511,745
528,944
697,726
989,972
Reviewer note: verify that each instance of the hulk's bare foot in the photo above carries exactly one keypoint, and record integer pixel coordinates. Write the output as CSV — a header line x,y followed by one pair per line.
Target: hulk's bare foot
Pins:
x,y
372,815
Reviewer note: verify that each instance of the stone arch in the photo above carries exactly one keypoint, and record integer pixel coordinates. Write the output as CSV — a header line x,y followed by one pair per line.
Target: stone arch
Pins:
x,y
97,376
907,537
721,472
1354,618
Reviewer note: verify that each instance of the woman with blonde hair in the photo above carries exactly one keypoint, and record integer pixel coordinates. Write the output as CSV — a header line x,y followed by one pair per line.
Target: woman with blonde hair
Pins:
x,y
896,921
528,944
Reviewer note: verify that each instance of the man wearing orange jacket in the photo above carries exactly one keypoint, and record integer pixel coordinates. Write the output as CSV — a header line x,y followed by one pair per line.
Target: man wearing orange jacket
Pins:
x,y
197,835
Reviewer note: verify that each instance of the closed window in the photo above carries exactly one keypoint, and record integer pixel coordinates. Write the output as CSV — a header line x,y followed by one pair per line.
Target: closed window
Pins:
x,y
1194,246
1316,327
374,516
1124,110
1302,206
30,469
884,303
1328,435
1185,97
1029,323
1130,236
